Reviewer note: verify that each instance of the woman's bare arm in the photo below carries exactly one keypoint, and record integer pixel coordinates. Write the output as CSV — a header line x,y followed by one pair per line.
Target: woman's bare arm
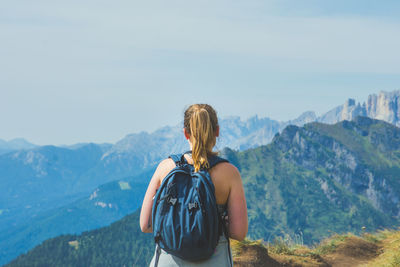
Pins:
x,y
145,214
237,208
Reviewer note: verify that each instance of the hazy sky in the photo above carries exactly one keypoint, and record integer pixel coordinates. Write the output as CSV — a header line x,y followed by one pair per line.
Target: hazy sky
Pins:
x,y
77,71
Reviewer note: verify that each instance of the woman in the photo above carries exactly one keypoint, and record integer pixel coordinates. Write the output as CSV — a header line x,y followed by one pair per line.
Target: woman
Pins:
x,y
201,130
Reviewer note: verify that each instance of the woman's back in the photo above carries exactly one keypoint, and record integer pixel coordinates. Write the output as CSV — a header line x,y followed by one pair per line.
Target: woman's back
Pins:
x,y
201,129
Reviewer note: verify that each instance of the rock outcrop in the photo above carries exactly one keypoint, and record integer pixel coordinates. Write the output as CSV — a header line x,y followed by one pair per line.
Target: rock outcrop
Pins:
x,y
384,106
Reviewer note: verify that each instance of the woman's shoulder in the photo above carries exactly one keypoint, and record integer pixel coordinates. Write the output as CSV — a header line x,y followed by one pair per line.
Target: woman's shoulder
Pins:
x,y
167,163
226,169
163,168
226,166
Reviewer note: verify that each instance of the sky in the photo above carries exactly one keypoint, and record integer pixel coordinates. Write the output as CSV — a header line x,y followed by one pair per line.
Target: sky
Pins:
x,y
95,71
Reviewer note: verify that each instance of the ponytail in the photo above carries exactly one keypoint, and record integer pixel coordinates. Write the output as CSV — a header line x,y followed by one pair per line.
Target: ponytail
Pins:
x,y
201,123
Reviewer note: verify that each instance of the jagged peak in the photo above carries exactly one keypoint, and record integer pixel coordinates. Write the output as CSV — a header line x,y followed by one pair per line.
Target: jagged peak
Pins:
x,y
350,102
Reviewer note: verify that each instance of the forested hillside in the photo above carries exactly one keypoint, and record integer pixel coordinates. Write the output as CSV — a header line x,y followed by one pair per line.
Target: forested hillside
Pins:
x,y
320,178
120,244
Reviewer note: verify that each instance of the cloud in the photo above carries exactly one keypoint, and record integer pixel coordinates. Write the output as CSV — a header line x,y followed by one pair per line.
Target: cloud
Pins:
x,y
92,33
101,57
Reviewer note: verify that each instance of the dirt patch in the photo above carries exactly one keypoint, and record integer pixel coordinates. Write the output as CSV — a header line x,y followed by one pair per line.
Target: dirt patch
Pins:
x,y
352,252
300,261
254,255
257,255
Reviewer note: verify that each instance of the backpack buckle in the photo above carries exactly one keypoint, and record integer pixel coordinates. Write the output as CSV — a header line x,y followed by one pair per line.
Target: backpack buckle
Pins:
x,y
157,238
172,200
193,205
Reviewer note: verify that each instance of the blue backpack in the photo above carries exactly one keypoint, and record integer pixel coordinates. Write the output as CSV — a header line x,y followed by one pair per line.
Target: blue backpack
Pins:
x,y
185,217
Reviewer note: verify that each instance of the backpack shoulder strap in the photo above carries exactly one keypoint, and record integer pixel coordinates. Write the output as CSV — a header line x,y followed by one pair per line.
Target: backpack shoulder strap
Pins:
x,y
179,159
216,160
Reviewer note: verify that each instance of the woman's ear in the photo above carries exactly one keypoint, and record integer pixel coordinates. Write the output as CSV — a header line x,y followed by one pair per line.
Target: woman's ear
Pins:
x,y
187,135
217,132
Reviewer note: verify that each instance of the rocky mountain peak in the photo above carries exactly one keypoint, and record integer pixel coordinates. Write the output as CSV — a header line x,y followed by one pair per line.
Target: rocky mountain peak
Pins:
x,y
351,110
383,106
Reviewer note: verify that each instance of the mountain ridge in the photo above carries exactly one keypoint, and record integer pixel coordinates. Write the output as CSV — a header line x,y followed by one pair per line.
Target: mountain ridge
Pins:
x,y
14,145
338,167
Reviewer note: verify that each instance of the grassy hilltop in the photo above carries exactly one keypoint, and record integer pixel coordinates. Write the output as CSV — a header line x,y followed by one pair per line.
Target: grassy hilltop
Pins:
x,y
369,250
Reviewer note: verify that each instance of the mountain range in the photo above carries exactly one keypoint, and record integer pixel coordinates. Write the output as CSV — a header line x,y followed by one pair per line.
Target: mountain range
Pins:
x,y
38,180
308,182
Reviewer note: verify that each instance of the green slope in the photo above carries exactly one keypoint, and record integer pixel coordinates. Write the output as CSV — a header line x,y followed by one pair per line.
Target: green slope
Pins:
x,y
120,244
317,179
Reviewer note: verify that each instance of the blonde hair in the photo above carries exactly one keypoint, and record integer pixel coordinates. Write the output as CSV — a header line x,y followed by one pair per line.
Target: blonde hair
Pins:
x,y
201,122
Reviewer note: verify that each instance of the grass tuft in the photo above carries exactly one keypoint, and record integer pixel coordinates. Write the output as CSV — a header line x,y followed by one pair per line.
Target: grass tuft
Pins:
x,y
238,246
330,244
